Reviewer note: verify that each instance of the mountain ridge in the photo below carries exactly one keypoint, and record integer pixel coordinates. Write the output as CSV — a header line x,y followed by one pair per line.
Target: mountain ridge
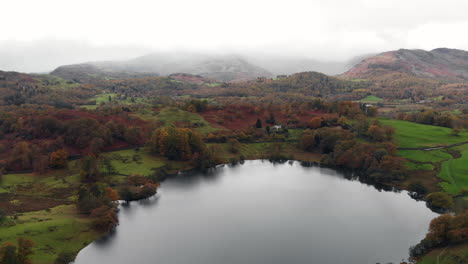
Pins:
x,y
223,68
441,64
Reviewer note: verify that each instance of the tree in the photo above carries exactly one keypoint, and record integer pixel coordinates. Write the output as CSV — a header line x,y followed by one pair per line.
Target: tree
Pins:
x,y
58,159
96,145
40,163
176,143
417,187
108,166
376,133
24,250
439,200
233,145
8,253
105,218
307,140
89,169
272,119
112,194
455,132
316,122
438,229
3,215
64,258
94,196
21,157
258,124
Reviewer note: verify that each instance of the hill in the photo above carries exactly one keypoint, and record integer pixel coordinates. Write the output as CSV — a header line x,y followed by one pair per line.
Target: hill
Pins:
x,y
88,72
442,64
225,68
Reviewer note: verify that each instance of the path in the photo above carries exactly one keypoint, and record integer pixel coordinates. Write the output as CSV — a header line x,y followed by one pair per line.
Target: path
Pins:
x,y
435,148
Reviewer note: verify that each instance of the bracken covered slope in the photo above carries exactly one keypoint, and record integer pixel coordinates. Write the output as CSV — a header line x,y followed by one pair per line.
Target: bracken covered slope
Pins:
x,y
442,64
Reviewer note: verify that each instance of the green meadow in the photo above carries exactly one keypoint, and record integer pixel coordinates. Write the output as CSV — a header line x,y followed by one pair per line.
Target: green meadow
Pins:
x,y
171,115
413,135
54,231
453,161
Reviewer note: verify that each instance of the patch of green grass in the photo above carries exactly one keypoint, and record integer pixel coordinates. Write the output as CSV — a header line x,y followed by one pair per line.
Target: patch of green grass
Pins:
x,y
53,231
104,98
455,172
38,184
171,115
371,99
425,156
135,162
295,134
8,182
416,166
89,107
55,82
412,135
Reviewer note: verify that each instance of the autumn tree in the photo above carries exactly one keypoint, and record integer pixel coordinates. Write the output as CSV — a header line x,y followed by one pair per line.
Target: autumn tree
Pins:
x,y
64,258
105,218
207,158
112,194
439,200
24,250
315,122
58,159
40,163
94,196
89,171
8,253
233,145
176,143
307,140
21,156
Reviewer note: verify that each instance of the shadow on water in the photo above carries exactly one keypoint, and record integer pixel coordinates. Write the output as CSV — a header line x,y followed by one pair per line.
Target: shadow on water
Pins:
x,y
193,178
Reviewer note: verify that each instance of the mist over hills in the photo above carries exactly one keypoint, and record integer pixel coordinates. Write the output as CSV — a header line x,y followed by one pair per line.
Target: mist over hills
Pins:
x,y
220,67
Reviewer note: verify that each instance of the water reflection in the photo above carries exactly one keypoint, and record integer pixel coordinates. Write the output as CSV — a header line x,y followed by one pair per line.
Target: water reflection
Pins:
x,y
263,212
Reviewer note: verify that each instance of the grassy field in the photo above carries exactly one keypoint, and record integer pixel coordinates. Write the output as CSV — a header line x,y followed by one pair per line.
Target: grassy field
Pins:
x,y
172,115
413,135
56,230
453,162
135,162
425,156
371,99
417,166
37,185
455,172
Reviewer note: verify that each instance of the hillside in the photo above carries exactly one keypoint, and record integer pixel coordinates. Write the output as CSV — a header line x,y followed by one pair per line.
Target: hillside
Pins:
x,y
442,64
220,68
87,72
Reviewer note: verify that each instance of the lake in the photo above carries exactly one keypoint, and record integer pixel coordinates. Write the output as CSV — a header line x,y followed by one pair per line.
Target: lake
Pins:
x,y
261,212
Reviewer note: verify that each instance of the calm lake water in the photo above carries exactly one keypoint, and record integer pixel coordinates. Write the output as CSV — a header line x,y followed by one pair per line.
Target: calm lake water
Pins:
x,y
261,212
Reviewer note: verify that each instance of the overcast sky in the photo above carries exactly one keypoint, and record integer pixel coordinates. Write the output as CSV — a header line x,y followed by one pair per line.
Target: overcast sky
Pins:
x,y
36,35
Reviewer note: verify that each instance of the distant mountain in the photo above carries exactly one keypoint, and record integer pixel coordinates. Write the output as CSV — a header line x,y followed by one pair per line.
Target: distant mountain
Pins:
x,y
226,68
442,64
89,72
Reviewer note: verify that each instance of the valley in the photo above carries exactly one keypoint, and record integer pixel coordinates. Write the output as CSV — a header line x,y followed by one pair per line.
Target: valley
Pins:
x,y
76,141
